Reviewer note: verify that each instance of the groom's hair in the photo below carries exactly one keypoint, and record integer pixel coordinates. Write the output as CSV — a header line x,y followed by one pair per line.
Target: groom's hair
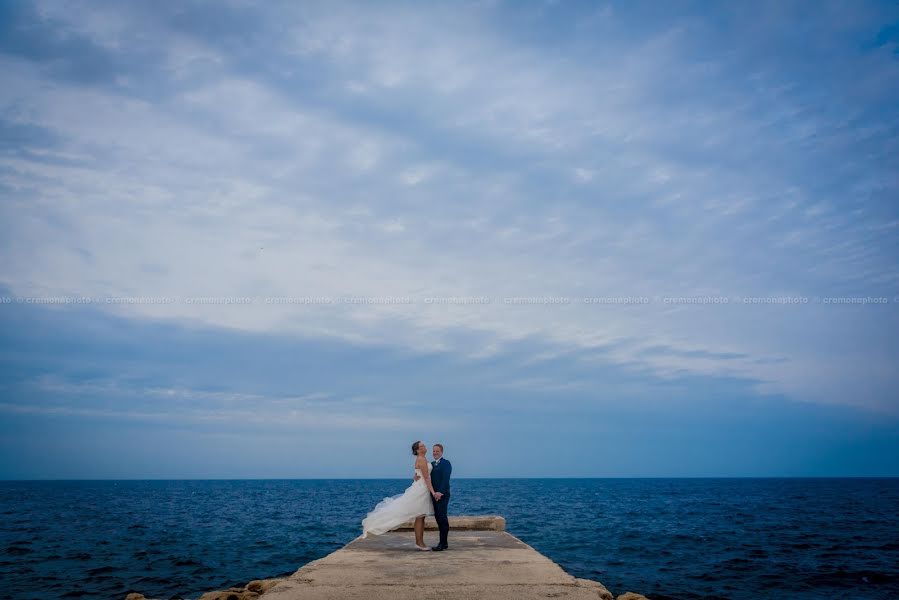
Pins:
x,y
441,446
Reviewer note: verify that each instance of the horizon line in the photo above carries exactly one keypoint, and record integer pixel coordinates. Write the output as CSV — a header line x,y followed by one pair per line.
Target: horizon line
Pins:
x,y
2,480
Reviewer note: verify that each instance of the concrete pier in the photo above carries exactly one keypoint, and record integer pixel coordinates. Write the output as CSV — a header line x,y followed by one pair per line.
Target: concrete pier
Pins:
x,y
483,561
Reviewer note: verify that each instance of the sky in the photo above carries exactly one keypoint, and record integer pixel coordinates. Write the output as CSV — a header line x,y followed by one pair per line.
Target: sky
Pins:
x,y
565,239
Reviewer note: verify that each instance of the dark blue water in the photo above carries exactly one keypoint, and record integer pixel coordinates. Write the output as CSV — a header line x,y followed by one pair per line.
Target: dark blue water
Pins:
x,y
666,538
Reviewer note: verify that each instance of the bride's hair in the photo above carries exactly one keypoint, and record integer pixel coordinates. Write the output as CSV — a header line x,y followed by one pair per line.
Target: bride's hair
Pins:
x,y
415,448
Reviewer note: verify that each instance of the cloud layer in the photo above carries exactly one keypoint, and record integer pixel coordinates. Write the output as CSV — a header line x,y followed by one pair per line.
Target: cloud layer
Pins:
x,y
474,185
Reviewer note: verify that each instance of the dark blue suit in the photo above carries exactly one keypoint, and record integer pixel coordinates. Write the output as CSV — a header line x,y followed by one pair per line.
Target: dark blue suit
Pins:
x,y
440,479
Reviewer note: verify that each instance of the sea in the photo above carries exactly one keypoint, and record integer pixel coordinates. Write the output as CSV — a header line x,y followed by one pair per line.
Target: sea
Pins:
x,y
679,539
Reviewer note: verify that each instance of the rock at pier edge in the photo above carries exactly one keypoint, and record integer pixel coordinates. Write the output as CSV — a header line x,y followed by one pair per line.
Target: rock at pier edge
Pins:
x,y
483,561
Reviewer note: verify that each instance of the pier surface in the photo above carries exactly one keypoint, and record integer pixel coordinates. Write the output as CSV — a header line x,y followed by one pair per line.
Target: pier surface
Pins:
x,y
483,561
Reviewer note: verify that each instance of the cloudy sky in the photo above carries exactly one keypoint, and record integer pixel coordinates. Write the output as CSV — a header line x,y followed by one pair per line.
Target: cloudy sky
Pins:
x,y
563,238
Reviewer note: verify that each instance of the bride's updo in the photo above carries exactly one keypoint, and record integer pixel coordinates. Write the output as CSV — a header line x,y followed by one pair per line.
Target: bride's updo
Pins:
x,y
415,448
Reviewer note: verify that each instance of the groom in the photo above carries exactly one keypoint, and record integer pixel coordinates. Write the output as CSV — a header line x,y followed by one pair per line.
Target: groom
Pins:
x,y
440,479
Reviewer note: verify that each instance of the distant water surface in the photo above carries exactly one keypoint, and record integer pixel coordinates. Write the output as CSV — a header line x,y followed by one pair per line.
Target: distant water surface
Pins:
x,y
667,538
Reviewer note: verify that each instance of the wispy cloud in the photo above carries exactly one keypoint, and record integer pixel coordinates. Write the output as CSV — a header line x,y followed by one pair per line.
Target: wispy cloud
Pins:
x,y
184,407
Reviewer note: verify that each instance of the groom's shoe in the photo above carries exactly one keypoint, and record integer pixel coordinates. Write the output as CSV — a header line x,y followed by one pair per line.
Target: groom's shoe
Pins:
x,y
438,548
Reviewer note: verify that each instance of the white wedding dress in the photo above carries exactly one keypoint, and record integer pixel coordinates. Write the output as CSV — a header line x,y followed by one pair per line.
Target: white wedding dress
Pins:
x,y
396,510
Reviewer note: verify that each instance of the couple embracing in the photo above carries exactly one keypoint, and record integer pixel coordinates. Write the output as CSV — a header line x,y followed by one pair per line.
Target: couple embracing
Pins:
x,y
428,495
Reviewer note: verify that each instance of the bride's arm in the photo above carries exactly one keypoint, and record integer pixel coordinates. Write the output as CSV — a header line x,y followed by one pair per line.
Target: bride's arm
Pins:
x,y
422,464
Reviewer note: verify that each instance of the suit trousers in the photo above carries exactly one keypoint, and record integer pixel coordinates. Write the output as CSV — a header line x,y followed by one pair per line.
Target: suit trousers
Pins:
x,y
440,507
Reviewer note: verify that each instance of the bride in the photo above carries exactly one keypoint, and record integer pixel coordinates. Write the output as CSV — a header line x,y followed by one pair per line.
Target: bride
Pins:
x,y
414,503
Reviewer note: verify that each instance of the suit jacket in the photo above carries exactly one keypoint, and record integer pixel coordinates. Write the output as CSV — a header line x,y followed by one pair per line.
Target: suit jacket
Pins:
x,y
440,476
